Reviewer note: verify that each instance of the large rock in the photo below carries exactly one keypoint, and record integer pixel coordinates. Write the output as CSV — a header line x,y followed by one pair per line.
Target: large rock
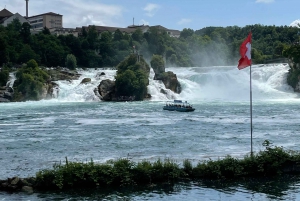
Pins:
x,y
62,74
48,91
106,90
86,80
170,81
6,94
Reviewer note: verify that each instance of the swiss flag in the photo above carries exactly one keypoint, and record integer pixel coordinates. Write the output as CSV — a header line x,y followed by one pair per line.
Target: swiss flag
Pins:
x,y
245,52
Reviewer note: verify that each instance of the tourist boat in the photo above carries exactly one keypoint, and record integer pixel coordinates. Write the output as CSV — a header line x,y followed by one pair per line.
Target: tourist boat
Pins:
x,y
179,105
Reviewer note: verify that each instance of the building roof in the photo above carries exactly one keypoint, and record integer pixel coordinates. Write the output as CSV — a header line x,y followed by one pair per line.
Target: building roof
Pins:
x,y
49,13
110,29
5,13
16,15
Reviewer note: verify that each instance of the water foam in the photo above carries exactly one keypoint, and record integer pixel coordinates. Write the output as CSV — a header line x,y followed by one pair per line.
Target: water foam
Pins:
x,y
73,91
227,83
216,83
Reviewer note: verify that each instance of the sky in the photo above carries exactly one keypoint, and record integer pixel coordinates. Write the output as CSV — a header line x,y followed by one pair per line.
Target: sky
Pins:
x,y
172,14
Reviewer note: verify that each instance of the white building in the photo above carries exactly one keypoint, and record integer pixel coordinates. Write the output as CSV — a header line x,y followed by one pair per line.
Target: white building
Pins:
x,y
49,20
6,17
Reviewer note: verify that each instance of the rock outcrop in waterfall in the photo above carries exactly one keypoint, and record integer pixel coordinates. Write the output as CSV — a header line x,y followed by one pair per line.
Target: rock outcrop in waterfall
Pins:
x,y
131,81
168,78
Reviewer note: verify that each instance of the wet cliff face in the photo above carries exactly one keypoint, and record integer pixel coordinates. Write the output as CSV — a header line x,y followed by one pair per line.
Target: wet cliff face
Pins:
x,y
170,81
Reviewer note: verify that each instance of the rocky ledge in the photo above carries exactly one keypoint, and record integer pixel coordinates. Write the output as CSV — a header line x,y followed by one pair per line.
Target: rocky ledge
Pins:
x,y
16,184
6,94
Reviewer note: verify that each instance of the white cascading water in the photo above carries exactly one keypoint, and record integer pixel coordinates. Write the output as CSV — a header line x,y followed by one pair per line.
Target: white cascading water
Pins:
x,y
11,81
222,83
73,91
227,83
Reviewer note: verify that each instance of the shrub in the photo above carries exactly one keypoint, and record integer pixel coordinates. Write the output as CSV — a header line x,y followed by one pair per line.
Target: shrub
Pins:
x,y
30,81
71,61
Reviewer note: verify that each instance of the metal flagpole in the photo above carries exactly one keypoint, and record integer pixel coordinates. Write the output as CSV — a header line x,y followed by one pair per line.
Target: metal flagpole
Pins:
x,y
251,109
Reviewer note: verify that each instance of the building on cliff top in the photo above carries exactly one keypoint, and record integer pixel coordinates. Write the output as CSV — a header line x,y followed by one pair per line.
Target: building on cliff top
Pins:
x,y
6,17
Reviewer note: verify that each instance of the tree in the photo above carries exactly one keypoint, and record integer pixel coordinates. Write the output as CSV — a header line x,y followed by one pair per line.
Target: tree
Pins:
x,y
83,32
46,31
137,35
71,61
185,33
30,81
25,32
92,37
118,35
27,54
158,64
3,49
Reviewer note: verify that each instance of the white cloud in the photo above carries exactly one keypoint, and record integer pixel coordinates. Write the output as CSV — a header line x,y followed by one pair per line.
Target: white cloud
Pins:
x,y
90,13
151,9
143,22
184,21
76,13
296,23
264,1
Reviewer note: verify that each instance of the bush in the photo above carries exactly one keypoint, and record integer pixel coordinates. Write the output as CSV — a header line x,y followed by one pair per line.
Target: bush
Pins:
x,y
30,81
71,61
123,172
132,78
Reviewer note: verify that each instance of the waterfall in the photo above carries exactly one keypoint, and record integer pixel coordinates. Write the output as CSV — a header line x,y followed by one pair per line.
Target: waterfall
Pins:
x,y
220,83
12,79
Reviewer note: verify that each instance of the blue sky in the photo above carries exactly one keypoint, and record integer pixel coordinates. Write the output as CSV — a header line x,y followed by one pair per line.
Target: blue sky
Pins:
x,y
173,14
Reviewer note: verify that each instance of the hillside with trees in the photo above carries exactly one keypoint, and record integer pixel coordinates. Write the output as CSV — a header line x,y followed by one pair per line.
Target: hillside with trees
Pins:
x,y
209,46
204,47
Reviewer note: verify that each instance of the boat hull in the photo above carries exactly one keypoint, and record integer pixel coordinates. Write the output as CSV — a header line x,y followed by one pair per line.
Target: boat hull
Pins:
x,y
179,109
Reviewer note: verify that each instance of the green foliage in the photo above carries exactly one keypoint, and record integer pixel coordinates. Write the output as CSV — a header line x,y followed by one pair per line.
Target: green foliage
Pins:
x,y
272,161
293,77
27,54
185,33
92,37
71,61
30,81
292,52
132,77
4,76
46,31
209,46
157,62
25,32
119,173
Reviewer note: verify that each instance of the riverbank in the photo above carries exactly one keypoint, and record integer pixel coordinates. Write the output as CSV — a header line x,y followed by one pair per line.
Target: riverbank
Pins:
x,y
273,161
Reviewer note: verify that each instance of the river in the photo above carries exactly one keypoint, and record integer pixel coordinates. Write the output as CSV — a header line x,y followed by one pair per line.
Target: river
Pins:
x,y
77,125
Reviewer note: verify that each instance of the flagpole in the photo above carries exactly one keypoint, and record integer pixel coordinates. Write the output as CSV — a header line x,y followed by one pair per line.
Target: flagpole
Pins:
x,y
251,110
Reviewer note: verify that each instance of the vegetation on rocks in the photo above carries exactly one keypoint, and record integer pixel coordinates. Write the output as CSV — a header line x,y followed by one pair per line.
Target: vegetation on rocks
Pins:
x,y
29,82
168,78
132,77
293,54
272,161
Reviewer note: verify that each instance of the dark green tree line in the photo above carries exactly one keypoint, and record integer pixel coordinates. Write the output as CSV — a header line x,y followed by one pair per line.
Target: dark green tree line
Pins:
x,y
209,46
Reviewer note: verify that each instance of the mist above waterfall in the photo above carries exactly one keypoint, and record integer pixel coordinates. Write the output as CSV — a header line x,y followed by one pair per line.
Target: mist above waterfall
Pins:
x,y
227,83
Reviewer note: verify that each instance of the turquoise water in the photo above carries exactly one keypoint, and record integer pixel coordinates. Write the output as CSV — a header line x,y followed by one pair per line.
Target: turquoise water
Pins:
x,y
36,135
